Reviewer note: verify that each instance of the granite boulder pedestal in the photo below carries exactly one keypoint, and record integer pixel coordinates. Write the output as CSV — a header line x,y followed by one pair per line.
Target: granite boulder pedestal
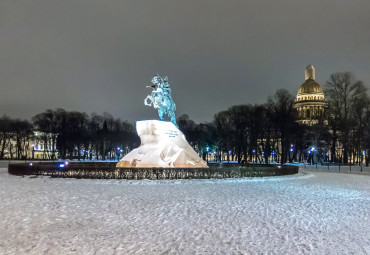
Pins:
x,y
162,145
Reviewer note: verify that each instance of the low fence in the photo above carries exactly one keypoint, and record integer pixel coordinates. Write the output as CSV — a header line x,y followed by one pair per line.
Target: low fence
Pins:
x,y
355,168
102,170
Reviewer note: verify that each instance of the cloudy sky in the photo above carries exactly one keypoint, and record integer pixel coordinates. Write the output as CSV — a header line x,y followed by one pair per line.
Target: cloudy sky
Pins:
x,y
98,56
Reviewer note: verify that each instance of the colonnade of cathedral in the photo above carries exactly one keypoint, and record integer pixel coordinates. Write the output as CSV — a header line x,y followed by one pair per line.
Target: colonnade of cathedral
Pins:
x,y
310,112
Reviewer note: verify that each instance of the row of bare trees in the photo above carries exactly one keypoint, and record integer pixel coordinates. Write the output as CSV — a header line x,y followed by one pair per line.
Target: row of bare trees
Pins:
x,y
15,137
66,134
248,132
78,135
270,131
261,133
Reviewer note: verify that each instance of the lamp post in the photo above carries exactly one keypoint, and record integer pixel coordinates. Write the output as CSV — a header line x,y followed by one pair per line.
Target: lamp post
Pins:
x,y
207,154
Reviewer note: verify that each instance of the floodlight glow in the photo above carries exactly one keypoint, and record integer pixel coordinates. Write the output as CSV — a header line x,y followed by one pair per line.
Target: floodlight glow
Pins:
x,y
118,148
61,165
121,150
30,164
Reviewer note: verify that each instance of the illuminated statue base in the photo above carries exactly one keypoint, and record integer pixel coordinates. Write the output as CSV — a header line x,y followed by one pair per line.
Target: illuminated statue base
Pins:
x,y
162,145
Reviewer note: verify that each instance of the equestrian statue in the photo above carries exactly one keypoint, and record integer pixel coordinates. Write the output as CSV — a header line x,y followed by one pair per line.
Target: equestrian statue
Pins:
x,y
161,98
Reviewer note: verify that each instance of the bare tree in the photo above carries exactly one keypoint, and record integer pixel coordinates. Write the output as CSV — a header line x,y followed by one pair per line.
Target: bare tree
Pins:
x,y
343,93
5,135
282,115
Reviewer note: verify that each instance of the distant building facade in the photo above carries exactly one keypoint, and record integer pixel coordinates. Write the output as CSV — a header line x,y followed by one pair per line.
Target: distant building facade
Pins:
x,y
39,145
310,101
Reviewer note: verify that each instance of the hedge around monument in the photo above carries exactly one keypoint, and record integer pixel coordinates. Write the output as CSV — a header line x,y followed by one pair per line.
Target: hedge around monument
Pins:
x,y
108,170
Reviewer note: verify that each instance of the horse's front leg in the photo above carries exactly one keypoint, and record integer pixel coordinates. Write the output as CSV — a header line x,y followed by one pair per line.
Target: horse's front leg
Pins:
x,y
149,97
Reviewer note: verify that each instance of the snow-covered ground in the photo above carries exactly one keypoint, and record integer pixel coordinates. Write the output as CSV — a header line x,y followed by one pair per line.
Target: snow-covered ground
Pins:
x,y
313,212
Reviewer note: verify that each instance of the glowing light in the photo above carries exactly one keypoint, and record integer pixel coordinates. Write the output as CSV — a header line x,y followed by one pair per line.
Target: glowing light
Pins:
x,y
121,150
61,165
30,164
118,148
254,150
291,149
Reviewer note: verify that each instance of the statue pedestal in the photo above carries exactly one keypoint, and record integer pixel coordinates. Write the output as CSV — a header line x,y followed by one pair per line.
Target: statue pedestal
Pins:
x,y
162,145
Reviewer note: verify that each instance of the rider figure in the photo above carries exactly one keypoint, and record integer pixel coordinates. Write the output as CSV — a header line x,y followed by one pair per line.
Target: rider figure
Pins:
x,y
166,87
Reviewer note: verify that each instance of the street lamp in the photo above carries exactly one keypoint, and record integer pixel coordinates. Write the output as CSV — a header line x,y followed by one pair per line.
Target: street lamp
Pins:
x,y
207,154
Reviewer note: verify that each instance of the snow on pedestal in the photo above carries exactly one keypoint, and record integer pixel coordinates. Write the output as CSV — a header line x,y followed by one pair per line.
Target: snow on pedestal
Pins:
x,y
162,145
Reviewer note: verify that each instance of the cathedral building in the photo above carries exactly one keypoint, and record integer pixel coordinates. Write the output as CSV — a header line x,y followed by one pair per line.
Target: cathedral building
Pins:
x,y
310,101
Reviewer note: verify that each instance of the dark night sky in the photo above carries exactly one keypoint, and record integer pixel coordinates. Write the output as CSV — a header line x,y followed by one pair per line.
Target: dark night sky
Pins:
x,y
98,56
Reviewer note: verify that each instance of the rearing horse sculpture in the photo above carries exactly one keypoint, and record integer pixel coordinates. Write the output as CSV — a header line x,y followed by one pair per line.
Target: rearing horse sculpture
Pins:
x,y
161,98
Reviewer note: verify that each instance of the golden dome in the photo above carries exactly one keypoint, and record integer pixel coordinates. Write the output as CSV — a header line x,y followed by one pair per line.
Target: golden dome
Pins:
x,y
310,86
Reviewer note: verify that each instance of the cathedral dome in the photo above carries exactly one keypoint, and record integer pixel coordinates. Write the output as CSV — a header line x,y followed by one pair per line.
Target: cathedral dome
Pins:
x,y
310,86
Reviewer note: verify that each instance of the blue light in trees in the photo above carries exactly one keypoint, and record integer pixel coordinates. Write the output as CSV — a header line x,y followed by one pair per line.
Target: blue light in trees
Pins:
x,y
118,148
30,164
61,165
207,148
291,149
121,150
